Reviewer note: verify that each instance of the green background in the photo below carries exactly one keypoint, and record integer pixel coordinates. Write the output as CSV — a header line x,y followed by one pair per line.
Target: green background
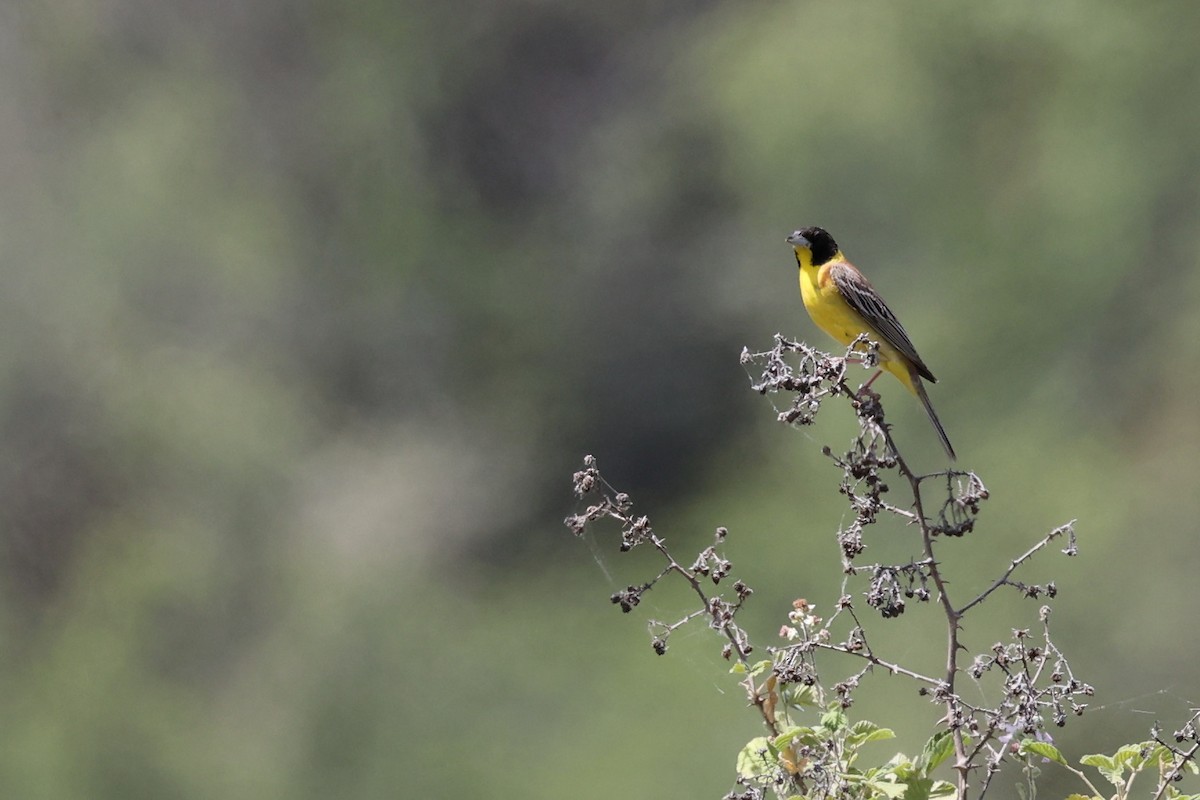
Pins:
x,y
310,309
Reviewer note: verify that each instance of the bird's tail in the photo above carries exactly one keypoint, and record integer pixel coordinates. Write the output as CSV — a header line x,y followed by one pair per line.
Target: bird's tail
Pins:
x,y
919,389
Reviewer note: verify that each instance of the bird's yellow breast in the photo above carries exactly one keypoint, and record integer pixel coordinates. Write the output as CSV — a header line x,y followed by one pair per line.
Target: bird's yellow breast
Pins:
x,y
832,314
825,305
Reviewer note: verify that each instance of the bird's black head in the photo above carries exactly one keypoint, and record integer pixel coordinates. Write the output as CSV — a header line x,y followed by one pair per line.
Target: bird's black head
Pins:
x,y
818,241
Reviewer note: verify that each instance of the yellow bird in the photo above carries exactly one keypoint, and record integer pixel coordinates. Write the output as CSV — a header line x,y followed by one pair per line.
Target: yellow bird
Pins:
x,y
844,304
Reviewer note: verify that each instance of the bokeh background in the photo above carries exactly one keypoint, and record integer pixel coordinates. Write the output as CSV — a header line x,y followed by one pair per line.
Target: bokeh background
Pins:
x,y
309,309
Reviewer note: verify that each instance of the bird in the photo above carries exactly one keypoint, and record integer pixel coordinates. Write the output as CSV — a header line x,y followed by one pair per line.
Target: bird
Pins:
x,y
844,304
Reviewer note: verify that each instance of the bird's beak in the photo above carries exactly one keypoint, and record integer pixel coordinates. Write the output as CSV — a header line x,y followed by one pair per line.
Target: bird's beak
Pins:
x,y
797,239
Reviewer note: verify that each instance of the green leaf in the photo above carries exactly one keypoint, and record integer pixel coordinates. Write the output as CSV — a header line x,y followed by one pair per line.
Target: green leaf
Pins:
x,y
833,720
866,731
1043,749
918,789
889,789
755,669
1133,755
943,789
799,696
1083,797
901,766
863,726
879,735
1098,761
756,759
1107,766
790,735
936,750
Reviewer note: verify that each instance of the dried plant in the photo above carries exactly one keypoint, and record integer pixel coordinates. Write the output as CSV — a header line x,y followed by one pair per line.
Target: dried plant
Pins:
x,y
810,747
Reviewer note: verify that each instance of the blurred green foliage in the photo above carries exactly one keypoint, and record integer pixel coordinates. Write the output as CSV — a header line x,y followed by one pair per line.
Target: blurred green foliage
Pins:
x,y
309,309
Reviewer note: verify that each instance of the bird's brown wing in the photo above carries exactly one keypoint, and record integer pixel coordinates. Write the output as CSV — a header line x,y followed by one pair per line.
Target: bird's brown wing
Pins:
x,y
862,297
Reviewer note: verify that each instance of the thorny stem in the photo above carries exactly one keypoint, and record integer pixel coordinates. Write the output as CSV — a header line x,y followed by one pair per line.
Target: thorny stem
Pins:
x,y
740,648
1181,757
871,658
959,715
1015,564
865,652
962,763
